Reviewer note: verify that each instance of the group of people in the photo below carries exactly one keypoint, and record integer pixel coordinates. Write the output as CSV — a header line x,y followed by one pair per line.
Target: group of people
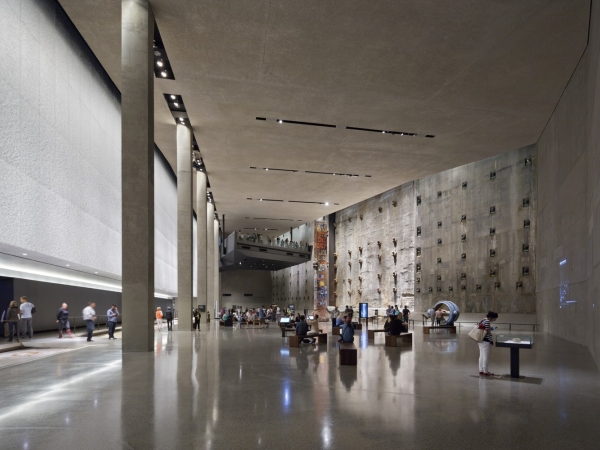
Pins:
x,y
258,238
168,315
436,316
19,319
394,311
249,315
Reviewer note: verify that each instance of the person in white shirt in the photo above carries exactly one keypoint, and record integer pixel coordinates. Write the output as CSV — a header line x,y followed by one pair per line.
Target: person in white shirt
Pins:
x,y
26,317
314,328
89,316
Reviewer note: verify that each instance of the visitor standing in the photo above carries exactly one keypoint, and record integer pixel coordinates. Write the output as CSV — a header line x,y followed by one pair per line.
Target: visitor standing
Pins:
x,y
89,316
27,310
197,317
438,317
431,314
112,315
13,318
62,317
159,317
405,313
486,345
169,317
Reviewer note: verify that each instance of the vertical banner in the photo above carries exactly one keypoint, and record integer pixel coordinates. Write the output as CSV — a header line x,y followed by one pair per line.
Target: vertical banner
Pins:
x,y
320,257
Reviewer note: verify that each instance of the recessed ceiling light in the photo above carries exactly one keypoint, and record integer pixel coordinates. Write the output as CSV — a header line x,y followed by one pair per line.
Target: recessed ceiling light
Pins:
x,y
156,53
176,104
261,201
267,168
326,203
159,63
164,73
383,132
279,120
95,272
173,97
24,254
68,265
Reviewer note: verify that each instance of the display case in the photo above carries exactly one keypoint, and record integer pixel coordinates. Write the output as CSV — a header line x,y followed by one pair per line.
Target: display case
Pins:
x,y
514,341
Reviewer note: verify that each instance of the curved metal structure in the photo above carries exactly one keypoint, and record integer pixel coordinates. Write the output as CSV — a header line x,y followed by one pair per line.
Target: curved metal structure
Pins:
x,y
453,311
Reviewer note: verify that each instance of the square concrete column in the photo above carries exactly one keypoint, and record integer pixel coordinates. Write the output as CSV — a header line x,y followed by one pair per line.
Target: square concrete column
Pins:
x,y
201,241
210,260
217,274
137,175
185,228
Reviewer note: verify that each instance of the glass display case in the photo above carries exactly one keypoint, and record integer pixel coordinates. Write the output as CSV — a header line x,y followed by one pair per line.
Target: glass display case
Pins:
x,y
514,341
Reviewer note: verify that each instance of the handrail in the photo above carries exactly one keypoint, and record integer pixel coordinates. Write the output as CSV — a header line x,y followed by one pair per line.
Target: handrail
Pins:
x,y
510,324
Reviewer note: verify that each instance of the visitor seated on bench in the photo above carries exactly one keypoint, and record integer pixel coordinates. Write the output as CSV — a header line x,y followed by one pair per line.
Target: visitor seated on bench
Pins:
x,y
347,330
302,330
314,325
395,327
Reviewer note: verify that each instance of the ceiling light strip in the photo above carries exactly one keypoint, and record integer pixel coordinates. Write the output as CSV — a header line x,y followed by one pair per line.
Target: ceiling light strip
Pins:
x,y
326,125
337,174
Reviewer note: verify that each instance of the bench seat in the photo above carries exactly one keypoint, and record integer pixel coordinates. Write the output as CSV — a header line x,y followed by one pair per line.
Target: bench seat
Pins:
x,y
371,333
348,354
295,339
392,341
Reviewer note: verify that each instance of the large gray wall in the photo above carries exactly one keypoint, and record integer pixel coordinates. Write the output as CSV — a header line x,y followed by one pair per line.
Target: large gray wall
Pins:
x,y
364,225
443,199
568,246
240,282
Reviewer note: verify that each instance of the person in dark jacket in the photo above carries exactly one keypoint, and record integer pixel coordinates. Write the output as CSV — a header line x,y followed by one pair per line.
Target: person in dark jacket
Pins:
x,y
197,316
302,327
395,326
62,317
169,317
12,317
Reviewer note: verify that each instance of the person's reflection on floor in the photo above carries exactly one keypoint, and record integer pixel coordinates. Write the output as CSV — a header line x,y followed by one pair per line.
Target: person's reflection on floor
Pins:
x,y
393,355
302,359
348,376
169,346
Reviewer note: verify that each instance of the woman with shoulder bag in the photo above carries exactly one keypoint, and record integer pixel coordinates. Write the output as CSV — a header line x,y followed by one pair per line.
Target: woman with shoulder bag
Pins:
x,y
486,345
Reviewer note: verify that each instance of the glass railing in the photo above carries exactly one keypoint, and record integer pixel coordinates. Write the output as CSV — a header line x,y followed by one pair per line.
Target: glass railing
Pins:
x,y
275,243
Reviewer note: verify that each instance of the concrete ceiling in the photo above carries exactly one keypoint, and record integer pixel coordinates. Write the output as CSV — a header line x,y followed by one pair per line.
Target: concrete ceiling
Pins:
x,y
482,76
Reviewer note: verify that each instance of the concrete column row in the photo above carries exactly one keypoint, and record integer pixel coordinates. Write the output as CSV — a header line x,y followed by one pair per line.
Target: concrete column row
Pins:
x,y
137,173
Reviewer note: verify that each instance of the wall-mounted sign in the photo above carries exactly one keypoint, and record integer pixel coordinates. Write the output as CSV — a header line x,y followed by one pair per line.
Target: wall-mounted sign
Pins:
x,y
363,309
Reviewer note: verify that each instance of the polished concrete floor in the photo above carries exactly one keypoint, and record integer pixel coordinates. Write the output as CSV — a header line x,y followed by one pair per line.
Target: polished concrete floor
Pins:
x,y
230,388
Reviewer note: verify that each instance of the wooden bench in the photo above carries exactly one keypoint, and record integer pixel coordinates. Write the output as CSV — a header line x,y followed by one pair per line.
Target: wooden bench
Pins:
x,y
295,339
348,354
371,333
392,341
428,329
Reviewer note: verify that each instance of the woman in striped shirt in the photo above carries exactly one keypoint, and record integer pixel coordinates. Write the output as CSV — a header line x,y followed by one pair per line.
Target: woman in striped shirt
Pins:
x,y
486,344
